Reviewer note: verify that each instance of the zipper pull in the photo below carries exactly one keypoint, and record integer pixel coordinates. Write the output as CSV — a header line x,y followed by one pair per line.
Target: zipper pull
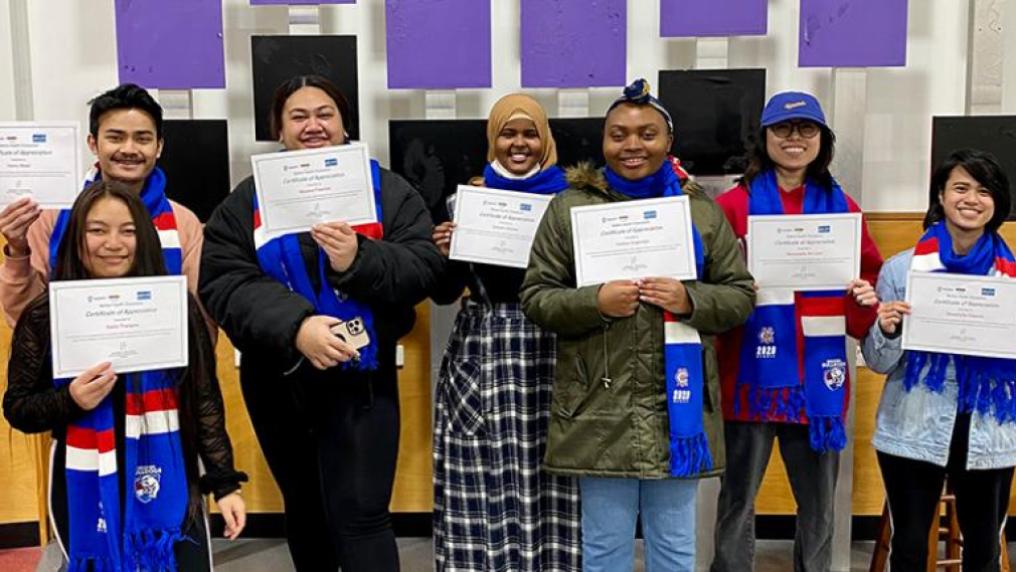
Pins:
x,y
606,382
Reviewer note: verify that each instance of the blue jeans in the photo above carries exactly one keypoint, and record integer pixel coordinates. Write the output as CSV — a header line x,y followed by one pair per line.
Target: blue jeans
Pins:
x,y
610,508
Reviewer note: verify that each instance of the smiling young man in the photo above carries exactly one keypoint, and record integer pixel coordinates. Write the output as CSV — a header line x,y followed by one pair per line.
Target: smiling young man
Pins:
x,y
125,135
623,347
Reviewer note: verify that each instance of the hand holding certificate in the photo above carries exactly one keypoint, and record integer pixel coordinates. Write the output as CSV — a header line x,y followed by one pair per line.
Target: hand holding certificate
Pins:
x,y
804,252
495,227
137,324
41,161
961,314
633,239
298,189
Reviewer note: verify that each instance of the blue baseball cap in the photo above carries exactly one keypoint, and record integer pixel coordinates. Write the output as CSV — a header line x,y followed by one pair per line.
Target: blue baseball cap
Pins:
x,y
792,105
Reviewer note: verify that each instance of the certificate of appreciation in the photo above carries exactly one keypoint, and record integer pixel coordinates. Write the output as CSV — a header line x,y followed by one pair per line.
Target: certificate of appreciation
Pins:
x,y
961,314
804,252
41,161
629,240
496,227
137,324
298,189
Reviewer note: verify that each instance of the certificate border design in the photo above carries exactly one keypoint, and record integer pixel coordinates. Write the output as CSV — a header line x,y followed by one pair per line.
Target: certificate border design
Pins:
x,y
858,220
501,193
683,203
261,159
76,171
1006,284
56,288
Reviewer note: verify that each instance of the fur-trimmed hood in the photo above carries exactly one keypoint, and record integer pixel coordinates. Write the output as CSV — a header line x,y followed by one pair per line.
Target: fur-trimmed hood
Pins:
x,y
586,175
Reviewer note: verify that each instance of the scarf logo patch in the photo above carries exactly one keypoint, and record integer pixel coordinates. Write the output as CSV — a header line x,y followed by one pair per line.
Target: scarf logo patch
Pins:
x,y
100,525
834,373
682,394
767,343
147,482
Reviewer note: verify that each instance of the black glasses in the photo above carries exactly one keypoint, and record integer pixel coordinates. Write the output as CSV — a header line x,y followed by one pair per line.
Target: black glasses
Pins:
x,y
805,129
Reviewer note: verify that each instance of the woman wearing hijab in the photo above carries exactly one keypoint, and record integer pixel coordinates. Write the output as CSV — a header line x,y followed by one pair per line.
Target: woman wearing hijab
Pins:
x,y
494,507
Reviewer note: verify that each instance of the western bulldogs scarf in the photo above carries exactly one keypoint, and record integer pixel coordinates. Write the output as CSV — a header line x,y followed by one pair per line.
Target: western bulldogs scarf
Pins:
x,y
682,350
546,182
155,489
793,352
986,385
153,195
281,259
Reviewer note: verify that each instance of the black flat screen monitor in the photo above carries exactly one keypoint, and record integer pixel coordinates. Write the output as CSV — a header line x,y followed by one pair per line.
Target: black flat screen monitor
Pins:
x,y
716,116
195,158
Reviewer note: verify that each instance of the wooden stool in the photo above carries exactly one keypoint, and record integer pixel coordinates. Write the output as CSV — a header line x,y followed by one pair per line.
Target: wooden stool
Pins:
x,y
949,532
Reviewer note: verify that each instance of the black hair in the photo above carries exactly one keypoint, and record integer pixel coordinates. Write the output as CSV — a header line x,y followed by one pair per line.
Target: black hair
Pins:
x,y
148,260
290,86
126,96
984,168
818,170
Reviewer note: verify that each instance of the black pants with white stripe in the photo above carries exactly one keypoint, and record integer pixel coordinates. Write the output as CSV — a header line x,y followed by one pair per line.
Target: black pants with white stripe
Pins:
x,y
913,489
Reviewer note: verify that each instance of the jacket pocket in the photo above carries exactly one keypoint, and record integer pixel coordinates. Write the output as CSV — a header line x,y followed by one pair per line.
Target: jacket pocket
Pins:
x,y
463,397
570,391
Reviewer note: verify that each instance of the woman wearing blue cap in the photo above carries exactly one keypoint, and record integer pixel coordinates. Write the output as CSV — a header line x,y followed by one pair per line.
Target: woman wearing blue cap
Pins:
x,y
775,369
624,346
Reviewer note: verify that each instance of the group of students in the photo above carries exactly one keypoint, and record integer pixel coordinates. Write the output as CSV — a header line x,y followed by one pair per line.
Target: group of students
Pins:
x,y
555,430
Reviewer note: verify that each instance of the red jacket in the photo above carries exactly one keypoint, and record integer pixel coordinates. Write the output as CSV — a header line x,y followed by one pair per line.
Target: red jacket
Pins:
x,y
734,203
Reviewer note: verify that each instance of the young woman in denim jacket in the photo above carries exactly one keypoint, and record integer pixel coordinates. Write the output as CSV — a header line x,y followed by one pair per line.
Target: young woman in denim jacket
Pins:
x,y
942,414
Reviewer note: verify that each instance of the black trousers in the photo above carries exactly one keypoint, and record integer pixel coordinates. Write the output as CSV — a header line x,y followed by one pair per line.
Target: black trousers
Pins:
x,y
331,442
913,489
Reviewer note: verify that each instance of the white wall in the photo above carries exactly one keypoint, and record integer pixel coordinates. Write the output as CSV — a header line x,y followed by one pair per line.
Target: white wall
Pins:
x,y
7,109
73,57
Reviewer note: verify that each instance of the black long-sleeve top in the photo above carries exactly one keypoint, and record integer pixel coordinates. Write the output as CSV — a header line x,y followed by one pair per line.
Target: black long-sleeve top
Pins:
x,y
33,405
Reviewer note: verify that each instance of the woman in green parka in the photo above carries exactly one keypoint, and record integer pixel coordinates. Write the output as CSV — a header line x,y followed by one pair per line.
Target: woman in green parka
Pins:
x,y
623,347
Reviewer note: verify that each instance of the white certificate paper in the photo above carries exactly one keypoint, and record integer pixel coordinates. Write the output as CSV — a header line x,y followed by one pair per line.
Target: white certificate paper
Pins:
x,y
804,252
137,324
629,240
41,161
494,226
298,189
961,314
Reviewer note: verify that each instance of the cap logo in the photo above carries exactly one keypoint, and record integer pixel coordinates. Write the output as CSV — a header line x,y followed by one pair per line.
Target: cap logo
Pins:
x,y
795,105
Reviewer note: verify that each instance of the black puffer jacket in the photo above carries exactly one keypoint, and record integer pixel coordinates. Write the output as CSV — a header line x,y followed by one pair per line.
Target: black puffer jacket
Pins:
x,y
262,316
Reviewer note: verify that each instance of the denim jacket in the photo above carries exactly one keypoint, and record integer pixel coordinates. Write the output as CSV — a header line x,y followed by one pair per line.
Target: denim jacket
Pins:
x,y
919,424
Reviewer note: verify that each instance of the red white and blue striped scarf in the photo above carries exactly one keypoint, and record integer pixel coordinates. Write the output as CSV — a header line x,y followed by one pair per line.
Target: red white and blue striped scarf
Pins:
x,y
153,195
986,385
793,353
282,259
105,534
684,375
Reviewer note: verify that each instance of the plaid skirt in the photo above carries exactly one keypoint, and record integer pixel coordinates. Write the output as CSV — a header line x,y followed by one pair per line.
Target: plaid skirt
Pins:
x,y
494,506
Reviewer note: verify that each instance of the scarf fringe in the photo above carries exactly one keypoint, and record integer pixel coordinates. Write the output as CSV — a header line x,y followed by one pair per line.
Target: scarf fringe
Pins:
x,y
774,402
690,456
152,550
87,563
987,386
826,434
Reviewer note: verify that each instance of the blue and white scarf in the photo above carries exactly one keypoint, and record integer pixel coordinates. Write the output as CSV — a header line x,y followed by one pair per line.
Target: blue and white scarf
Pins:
x,y
793,352
282,259
986,385
548,181
682,350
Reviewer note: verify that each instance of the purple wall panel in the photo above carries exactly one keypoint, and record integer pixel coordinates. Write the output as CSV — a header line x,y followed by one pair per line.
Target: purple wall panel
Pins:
x,y
170,45
573,43
438,44
694,18
853,33
299,2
